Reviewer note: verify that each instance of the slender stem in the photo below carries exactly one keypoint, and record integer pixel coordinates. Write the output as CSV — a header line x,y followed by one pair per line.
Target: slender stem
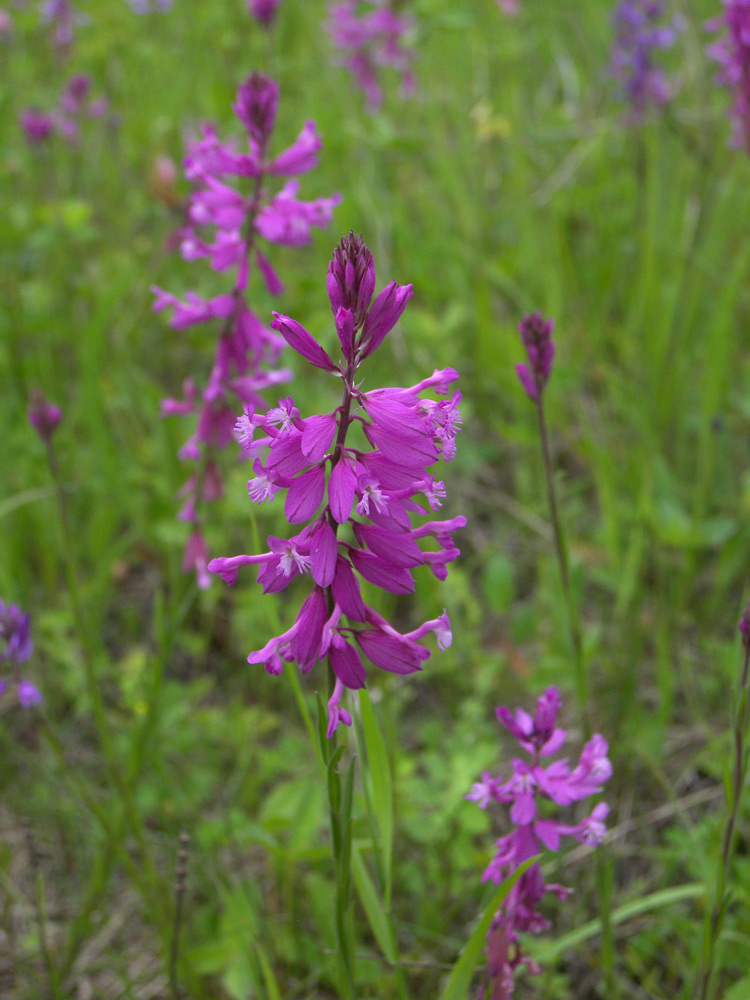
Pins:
x,y
705,986
562,561
603,869
340,825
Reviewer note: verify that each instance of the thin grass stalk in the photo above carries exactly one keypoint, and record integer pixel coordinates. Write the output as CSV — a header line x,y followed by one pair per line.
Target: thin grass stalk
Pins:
x,y
603,873
706,983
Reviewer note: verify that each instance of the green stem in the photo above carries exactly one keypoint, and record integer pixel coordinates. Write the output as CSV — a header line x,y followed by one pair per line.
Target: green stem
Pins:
x,y
705,984
603,865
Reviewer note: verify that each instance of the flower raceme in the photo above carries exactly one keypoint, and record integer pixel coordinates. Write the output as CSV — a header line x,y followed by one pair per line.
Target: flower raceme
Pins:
x,y
370,36
330,483
15,648
732,52
225,228
640,34
529,783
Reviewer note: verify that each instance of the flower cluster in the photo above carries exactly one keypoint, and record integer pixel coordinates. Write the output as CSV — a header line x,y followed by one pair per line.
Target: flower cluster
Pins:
x,y
732,51
63,17
536,334
224,228
638,36
529,783
371,491
372,36
509,6
74,106
15,648
264,11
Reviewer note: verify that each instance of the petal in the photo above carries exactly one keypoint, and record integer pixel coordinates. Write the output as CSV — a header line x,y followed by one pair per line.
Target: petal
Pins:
x,y
342,485
305,495
302,342
323,555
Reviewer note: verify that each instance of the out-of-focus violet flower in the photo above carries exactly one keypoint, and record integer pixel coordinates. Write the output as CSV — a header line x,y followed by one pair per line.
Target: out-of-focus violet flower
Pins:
x,y
227,224
371,35
732,52
330,482
44,416
536,334
535,830
63,17
74,106
16,647
6,23
264,11
640,32
509,6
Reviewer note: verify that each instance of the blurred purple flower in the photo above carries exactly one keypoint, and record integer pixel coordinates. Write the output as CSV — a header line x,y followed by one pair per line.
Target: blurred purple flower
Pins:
x,y
64,17
536,334
509,6
534,831
6,22
16,647
638,37
38,125
74,106
263,11
732,51
407,433
372,35
44,416
225,227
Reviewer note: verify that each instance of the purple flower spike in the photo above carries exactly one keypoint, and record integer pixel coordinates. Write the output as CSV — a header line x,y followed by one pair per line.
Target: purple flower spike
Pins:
x,y
16,647
264,11
231,211
732,52
559,784
369,36
330,483
44,416
536,333
640,34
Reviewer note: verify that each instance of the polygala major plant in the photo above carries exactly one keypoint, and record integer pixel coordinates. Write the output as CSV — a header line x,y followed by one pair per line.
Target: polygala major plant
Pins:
x,y
332,484
640,33
370,36
247,352
534,829
732,52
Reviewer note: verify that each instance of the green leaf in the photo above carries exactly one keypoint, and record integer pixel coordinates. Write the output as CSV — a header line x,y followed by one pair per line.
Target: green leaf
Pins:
x,y
382,785
272,987
459,980
377,918
546,951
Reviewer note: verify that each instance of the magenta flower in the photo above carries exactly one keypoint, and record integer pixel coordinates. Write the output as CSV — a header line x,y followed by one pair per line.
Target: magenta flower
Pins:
x,y
264,11
226,225
534,829
640,34
62,15
732,52
372,35
536,333
44,416
329,482
16,647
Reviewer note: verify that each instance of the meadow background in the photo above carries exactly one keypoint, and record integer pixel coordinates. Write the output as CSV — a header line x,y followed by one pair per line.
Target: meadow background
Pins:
x,y
512,181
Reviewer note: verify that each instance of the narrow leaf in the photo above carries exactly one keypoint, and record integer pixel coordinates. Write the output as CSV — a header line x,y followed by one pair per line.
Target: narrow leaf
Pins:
x,y
382,786
459,980
373,907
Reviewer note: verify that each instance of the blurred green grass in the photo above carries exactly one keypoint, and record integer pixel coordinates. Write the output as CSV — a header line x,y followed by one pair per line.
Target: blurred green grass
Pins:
x,y
509,183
